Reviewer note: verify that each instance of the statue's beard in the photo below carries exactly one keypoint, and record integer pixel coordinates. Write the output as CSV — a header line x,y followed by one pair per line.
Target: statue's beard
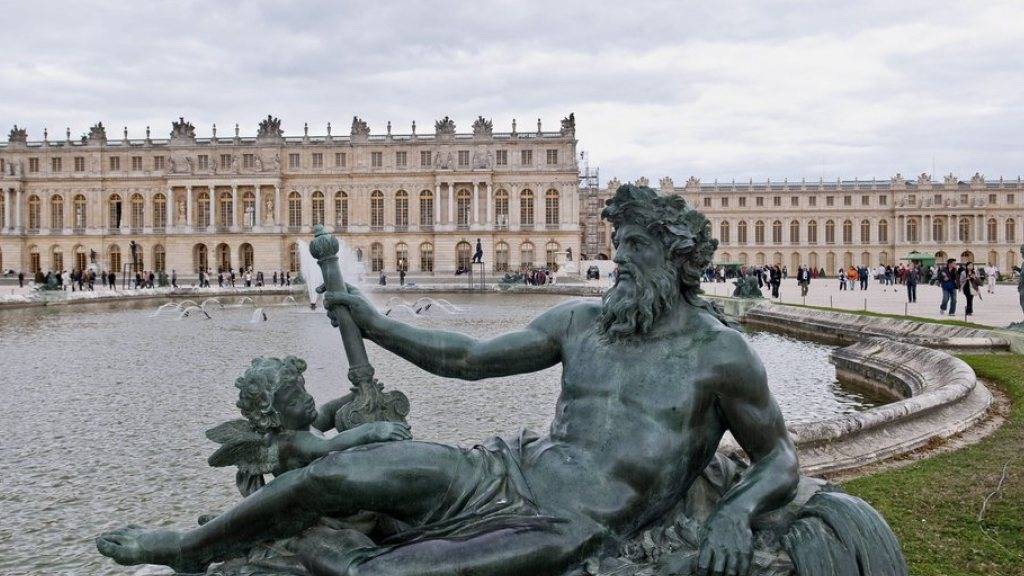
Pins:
x,y
638,298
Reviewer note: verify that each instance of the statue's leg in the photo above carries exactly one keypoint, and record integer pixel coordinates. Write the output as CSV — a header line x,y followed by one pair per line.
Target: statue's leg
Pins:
x,y
403,479
503,552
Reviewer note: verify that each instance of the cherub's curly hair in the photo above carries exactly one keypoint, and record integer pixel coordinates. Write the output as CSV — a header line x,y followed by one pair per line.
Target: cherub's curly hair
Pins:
x,y
685,233
256,389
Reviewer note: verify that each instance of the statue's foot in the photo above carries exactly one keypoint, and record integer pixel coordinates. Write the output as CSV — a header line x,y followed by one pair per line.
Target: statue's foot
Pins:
x,y
135,545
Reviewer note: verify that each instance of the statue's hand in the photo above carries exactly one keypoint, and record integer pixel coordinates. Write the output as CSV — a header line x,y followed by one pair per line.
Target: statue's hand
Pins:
x,y
382,432
361,309
727,547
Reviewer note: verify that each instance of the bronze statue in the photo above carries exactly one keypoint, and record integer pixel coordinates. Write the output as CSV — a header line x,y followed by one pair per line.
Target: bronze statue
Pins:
x,y
626,481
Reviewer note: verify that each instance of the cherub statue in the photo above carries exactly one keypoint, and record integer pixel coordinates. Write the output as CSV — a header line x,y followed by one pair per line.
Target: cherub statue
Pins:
x,y
282,429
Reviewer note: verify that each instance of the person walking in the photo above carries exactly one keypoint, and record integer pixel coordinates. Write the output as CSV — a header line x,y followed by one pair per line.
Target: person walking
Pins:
x,y
969,284
112,280
842,279
401,277
991,273
803,278
913,277
174,278
775,277
948,278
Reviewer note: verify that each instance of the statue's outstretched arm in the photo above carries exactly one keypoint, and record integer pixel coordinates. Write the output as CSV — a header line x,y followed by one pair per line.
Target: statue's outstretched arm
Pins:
x,y
453,354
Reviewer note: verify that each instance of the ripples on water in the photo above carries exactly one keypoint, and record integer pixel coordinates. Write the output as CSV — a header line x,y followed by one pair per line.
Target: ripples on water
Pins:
x,y
103,409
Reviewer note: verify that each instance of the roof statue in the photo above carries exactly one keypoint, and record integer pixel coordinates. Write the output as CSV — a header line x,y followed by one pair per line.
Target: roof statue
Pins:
x,y
17,135
481,127
642,182
270,128
98,133
182,130
569,125
978,178
924,178
614,184
666,184
359,127
445,127
950,179
692,181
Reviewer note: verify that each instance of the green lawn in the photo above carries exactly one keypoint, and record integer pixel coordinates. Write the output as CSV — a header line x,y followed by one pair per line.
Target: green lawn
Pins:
x,y
933,505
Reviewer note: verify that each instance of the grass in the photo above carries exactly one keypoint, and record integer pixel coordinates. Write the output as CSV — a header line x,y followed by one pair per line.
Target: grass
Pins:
x,y
933,505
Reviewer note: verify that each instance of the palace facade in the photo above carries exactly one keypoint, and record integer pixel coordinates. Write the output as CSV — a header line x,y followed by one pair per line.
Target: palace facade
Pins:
x,y
848,222
417,202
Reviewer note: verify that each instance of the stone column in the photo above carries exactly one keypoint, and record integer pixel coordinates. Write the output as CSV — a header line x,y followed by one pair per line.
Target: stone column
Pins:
x,y
437,204
475,204
17,209
259,208
234,206
277,205
451,203
189,219
490,206
7,209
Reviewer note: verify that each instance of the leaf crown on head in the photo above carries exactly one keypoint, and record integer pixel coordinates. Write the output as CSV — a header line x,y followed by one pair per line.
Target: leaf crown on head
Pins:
x,y
256,389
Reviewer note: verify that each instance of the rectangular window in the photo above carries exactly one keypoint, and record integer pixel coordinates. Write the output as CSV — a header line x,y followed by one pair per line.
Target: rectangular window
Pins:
x,y
463,157
777,201
56,164
318,160
743,201
847,200
883,200
812,200
501,158
402,159
829,201
865,200
725,202
225,161
526,157
937,199
248,161
33,164
293,160
115,162
376,159
759,201
340,159
992,199
158,162
707,202
204,162
425,158
552,157
794,200
79,164
137,163
1009,199
963,199
912,199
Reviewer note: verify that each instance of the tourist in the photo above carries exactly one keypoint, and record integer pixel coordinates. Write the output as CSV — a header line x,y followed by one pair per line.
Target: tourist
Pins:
x,y
288,278
383,280
259,279
21,279
401,277
969,284
248,279
152,279
862,274
273,278
913,277
112,280
231,277
991,275
174,278
842,279
947,279
803,278
775,277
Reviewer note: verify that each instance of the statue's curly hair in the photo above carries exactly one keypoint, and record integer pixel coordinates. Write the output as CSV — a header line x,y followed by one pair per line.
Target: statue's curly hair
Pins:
x,y
256,389
685,233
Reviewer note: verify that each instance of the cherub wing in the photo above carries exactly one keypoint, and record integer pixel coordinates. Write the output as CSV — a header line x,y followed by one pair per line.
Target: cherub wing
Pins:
x,y
241,446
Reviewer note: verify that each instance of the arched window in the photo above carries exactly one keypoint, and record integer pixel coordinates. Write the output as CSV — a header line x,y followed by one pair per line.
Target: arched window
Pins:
x,y
377,210
744,258
376,257
830,263
502,209
813,260
883,258
1011,260
138,211
741,232
114,258
759,232
159,211
34,216
830,232
777,232
224,205
402,209
777,258
965,229
794,232
883,231
294,210
35,263
318,208
463,255
3,208
159,258
526,255
847,259
462,208
81,259
200,258
526,207
551,255
340,210
1011,231
223,258
57,258
402,256
992,230
938,229
248,209
551,208
56,212
426,208
812,232
912,230
79,212
759,259
723,232
114,211
847,232
865,259
865,232
293,257
246,256
426,257
501,256
203,210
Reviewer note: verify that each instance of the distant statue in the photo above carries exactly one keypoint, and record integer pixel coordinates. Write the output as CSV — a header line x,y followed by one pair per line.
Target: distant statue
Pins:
x,y
268,212
275,162
181,212
568,254
626,481
172,165
1019,326
92,256
748,285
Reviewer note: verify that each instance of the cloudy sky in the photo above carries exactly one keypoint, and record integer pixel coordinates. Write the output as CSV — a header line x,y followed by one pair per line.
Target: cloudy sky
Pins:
x,y
712,89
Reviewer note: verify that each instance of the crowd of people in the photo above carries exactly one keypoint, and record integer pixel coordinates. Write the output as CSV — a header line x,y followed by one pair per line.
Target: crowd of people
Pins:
x,y
91,278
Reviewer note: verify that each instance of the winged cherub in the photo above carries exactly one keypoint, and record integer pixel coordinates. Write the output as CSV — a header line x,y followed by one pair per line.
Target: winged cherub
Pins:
x,y
282,429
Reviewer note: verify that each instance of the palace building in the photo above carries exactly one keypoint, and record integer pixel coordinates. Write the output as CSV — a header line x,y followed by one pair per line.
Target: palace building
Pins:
x,y
417,202
826,225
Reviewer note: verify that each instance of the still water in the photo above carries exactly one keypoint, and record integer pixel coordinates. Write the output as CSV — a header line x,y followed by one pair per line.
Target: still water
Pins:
x,y
103,408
